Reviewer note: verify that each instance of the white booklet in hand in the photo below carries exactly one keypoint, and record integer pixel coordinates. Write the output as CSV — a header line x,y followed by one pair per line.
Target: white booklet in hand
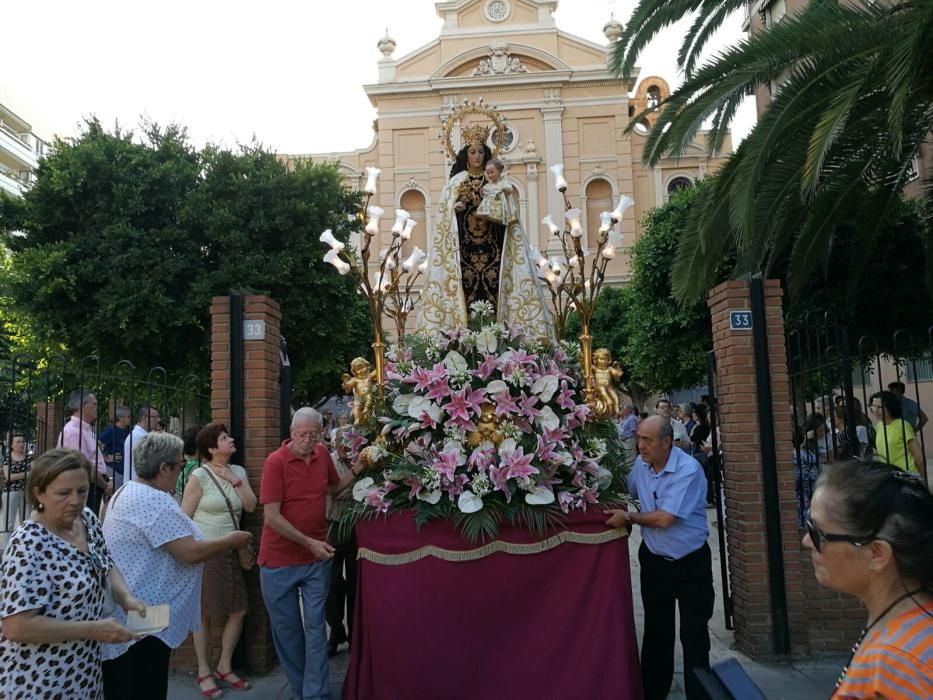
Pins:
x,y
156,620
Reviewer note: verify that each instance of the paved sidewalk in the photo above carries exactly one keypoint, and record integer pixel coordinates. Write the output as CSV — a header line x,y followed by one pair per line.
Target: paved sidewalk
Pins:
x,y
799,679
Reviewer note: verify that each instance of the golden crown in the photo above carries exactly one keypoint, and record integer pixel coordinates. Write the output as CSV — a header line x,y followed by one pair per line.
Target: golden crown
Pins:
x,y
473,133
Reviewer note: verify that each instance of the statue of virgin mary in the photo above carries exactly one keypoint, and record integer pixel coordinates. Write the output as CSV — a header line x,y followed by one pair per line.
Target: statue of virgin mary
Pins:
x,y
471,258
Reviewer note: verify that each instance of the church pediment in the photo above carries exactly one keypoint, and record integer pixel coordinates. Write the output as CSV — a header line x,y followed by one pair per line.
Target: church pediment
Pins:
x,y
500,58
486,15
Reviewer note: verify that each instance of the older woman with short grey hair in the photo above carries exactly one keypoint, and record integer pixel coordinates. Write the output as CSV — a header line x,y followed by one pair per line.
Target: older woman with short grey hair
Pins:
x,y
160,551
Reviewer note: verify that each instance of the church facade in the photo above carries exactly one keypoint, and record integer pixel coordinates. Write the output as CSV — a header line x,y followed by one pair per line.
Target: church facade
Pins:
x,y
562,107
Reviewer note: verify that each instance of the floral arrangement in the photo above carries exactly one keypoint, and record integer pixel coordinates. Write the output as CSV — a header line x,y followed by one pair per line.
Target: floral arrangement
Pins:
x,y
481,425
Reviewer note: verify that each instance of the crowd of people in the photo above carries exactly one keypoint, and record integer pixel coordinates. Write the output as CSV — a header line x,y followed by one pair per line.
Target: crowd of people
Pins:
x,y
78,577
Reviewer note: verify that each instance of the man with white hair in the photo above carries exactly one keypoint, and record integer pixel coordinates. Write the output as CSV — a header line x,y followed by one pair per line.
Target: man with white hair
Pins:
x,y
294,555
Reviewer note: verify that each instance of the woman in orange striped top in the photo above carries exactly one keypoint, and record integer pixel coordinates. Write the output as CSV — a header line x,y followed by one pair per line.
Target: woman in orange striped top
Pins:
x,y
870,532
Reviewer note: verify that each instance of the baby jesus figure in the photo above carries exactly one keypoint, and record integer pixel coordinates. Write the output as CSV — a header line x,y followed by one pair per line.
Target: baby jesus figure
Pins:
x,y
498,203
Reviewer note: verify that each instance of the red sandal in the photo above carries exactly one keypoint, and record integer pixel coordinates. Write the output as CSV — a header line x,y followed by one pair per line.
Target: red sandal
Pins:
x,y
239,684
211,693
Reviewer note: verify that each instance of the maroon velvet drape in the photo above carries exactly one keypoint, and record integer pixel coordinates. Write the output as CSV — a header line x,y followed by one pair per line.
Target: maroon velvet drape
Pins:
x,y
556,624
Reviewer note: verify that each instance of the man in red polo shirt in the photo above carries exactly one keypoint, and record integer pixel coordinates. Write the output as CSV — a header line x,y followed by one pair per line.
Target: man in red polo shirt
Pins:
x,y
294,554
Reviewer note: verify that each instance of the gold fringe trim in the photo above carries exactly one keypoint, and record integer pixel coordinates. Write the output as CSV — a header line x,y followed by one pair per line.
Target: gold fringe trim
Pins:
x,y
491,548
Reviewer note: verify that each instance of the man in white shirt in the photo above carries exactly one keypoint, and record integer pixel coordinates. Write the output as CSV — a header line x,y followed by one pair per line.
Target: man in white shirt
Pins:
x,y
681,439
147,420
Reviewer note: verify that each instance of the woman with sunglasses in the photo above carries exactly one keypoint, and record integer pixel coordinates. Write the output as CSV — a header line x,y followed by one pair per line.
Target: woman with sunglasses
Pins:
x,y
52,588
870,532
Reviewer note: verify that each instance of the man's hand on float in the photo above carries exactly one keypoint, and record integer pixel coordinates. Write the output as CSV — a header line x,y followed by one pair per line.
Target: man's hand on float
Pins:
x,y
320,550
618,518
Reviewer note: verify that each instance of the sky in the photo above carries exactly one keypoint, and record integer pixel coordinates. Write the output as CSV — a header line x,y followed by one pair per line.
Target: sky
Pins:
x,y
288,73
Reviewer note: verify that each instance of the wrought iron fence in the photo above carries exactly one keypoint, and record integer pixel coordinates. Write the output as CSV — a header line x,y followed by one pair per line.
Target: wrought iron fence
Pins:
x,y
34,403
855,400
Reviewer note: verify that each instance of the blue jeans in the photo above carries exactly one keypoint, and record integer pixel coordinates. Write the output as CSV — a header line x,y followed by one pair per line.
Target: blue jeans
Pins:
x,y
302,648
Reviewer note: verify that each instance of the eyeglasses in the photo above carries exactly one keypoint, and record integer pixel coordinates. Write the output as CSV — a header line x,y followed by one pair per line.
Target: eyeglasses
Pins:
x,y
818,537
314,437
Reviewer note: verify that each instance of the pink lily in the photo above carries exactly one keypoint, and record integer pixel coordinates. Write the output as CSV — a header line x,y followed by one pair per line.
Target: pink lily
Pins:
x,y
486,367
499,477
519,464
439,390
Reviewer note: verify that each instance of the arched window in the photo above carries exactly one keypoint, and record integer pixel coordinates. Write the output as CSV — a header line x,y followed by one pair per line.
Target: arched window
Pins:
x,y
678,184
412,201
598,200
654,97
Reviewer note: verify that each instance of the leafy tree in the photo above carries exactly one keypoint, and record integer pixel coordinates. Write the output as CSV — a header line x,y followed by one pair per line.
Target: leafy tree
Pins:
x,y
126,241
839,136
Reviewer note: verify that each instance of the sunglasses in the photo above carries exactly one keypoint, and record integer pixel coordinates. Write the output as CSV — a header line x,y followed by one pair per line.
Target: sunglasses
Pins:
x,y
818,537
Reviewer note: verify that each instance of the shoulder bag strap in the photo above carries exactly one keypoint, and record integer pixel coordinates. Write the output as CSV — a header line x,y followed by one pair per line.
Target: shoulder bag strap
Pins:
x,y
236,525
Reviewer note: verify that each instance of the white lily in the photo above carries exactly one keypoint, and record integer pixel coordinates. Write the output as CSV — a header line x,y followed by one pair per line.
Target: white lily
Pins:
x,y
414,260
401,216
371,175
332,256
409,227
573,218
328,238
559,182
624,203
372,225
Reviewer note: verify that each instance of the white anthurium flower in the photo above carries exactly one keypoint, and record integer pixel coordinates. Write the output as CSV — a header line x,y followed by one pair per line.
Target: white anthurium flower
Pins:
x,y
469,502
605,221
332,256
401,216
432,497
625,202
553,229
328,238
456,448
507,446
418,406
496,386
434,411
548,420
402,403
361,488
573,218
414,260
409,227
545,387
455,362
604,476
539,496
486,341
559,182
371,175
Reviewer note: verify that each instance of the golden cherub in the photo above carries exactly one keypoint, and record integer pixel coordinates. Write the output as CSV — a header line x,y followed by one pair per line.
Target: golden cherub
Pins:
x,y
361,385
606,374
487,427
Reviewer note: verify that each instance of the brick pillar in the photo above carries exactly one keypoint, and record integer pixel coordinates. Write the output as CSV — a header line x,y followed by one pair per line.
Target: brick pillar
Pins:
x,y
260,437
819,619
738,423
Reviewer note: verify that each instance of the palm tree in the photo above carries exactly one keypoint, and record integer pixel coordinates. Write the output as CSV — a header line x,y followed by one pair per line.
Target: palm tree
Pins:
x,y
854,104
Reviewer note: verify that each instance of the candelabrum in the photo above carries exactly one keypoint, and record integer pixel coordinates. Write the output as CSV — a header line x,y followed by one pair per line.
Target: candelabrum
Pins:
x,y
576,279
389,290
